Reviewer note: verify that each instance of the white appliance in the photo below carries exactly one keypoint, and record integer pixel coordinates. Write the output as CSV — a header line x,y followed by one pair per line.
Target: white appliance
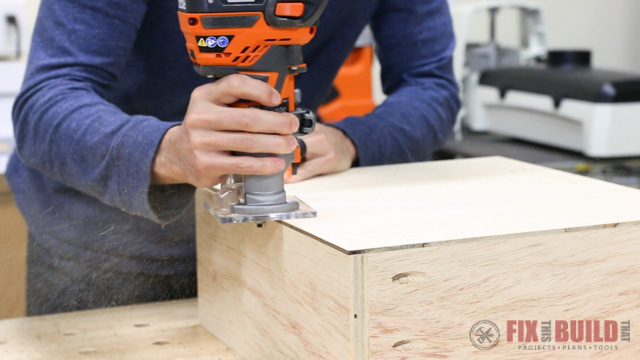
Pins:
x,y
595,112
13,34
552,98
470,59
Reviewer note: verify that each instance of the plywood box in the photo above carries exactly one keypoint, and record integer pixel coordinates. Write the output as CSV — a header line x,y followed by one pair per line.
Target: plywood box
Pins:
x,y
431,261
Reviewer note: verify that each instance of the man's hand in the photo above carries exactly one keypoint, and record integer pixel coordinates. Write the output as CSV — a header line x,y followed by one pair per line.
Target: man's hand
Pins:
x,y
198,151
329,151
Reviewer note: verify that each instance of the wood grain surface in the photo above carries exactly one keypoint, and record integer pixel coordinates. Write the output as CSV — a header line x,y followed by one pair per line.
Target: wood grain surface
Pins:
x,y
403,260
272,292
580,274
159,331
395,206
13,256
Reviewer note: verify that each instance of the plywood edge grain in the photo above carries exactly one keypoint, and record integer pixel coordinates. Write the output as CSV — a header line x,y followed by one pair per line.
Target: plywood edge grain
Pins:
x,y
513,236
360,301
316,238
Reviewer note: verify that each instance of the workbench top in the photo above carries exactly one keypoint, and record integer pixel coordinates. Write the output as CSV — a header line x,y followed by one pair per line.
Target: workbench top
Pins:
x,y
166,330
6,148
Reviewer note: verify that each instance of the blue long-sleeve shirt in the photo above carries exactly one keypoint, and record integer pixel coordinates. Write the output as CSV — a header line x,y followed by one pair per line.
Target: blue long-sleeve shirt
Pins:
x,y
106,79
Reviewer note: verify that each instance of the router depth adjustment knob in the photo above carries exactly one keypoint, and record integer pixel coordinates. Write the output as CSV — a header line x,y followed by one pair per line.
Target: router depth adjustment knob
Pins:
x,y
307,121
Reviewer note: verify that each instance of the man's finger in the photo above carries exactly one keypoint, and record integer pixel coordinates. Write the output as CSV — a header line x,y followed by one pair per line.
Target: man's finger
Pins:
x,y
245,142
232,88
307,170
317,142
252,120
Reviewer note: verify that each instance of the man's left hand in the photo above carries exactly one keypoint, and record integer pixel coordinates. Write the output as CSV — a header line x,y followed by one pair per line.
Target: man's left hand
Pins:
x,y
329,151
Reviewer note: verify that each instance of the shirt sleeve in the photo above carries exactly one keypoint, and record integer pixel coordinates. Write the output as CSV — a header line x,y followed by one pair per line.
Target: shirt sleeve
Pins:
x,y
414,43
65,126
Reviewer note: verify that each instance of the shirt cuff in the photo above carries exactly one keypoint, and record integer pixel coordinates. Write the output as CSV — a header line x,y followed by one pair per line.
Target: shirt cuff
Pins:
x,y
135,151
357,129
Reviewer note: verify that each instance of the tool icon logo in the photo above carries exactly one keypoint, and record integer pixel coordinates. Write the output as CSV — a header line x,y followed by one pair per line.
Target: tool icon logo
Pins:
x,y
484,335
223,41
212,41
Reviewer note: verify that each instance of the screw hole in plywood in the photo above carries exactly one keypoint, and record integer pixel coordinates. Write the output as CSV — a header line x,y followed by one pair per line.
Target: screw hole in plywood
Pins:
x,y
410,277
87,351
162,342
410,345
140,325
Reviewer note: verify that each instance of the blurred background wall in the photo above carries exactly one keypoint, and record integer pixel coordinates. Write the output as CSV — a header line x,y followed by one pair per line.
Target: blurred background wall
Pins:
x,y
610,28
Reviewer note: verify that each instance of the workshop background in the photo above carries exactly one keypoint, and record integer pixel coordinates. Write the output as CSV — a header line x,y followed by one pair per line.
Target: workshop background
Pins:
x,y
609,29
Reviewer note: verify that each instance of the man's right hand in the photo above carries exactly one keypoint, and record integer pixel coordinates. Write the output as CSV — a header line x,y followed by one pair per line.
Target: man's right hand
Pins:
x,y
198,151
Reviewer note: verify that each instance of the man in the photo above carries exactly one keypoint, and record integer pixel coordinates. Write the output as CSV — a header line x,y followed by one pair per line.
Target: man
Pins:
x,y
114,129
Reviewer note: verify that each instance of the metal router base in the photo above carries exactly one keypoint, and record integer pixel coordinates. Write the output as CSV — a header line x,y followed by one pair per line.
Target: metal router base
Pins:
x,y
245,209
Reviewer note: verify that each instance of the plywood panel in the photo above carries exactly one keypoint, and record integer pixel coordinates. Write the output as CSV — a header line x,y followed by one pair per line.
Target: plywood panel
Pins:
x,y
423,302
160,331
414,255
13,254
272,292
413,204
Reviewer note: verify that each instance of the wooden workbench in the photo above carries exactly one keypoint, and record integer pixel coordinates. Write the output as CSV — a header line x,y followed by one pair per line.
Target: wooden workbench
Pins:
x,y
167,330
13,255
